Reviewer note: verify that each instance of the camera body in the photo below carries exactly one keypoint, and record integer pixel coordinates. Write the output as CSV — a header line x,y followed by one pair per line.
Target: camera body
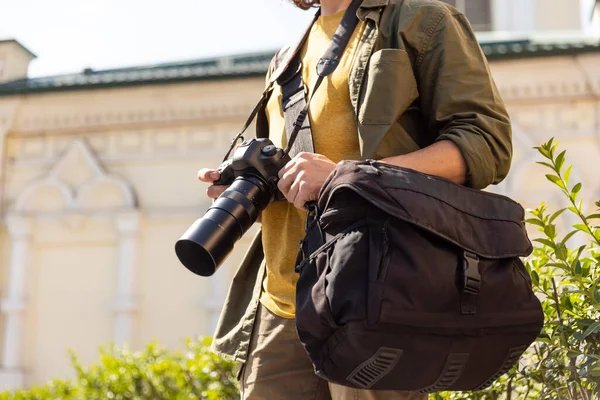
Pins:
x,y
257,157
252,176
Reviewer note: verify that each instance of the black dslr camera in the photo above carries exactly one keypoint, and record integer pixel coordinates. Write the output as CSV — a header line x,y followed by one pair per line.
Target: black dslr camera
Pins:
x,y
252,175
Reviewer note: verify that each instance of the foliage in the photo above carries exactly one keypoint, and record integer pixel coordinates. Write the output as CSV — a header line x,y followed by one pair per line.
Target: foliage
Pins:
x,y
154,373
566,359
564,363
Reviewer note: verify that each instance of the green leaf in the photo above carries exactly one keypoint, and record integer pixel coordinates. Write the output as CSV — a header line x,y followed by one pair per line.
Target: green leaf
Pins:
x,y
544,151
550,231
567,174
578,268
562,252
576,291
582,228
585,271
533,221
556,214
578,255
554,179
545,285
553,149
560,160
545,164
535,278
568,236
573,353
573,210
593,216
576,189
546,242
560,266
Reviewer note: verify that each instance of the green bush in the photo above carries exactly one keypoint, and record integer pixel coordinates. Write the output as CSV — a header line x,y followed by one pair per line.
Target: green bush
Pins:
x,y
154,373
564,363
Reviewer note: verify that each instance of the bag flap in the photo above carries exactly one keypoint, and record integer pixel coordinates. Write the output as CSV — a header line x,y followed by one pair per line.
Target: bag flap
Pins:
x,y
484,223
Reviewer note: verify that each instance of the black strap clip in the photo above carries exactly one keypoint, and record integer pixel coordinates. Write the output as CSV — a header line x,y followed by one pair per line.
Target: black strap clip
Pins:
x,y
312,215
314,235
471,277
301,117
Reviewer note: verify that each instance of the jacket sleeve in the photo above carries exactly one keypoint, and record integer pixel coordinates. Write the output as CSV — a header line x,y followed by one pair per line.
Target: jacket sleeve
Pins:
x,y
460,100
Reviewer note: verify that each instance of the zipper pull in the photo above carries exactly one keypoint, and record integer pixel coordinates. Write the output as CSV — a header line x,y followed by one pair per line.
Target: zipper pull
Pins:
x,y
374,167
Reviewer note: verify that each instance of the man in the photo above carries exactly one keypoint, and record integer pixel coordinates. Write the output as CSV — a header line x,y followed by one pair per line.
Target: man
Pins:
x,y
412,89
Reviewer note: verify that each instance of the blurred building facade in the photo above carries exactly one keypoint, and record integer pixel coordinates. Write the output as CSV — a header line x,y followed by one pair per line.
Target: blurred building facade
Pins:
x,y
98,178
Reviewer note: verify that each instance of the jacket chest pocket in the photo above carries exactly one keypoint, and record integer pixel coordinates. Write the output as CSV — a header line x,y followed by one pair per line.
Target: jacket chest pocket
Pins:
x,y
390,87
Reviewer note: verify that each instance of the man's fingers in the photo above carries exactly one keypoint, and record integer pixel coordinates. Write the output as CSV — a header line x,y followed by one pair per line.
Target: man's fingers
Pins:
x,y
208,175
285,182
292,193
215,191
300,198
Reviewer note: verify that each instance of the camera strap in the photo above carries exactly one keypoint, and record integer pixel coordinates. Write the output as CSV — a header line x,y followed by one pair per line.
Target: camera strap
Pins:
x,y
294,102
288,75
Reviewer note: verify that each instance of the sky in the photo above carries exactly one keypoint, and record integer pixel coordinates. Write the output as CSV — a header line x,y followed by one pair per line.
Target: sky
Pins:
x,y
70,35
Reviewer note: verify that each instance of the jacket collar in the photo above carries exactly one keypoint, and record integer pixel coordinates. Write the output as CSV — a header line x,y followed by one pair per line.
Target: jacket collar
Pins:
x,y
368,8
374,3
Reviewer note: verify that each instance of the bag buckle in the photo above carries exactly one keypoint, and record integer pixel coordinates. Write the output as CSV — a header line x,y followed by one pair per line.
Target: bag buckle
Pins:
x,y
312,214
471,275
312,218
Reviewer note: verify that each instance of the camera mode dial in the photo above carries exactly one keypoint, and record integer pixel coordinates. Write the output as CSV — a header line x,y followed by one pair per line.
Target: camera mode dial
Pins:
x,y
269,150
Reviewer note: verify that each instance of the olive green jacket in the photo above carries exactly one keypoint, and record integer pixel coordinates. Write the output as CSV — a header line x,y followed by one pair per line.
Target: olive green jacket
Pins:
x,y
419,76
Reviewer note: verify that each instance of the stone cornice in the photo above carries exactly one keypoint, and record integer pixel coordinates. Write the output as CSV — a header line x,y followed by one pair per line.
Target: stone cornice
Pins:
x,y
518,81
25,125
118,118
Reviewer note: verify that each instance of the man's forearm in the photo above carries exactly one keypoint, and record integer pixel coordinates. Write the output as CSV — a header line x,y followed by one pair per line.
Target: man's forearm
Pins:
x,y
442,159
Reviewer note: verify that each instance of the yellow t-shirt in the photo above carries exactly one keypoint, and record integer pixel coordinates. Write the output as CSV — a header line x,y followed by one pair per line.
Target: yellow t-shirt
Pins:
x,y
335,136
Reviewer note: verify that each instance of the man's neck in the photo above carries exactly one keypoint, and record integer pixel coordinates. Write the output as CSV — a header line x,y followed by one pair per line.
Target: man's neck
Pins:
x,y
330,7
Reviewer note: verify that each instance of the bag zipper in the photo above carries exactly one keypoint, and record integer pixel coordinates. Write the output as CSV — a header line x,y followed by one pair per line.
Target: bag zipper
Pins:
x,y
385,260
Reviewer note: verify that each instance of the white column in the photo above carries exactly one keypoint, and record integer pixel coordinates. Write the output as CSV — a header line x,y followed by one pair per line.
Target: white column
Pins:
x,y
15,302
128,225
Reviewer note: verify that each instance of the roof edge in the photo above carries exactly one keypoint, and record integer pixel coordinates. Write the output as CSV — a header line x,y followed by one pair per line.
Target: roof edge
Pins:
x,y
495,48
32,54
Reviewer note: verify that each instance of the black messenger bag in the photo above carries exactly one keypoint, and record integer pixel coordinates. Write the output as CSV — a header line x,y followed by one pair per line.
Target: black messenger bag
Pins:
x,y
411,282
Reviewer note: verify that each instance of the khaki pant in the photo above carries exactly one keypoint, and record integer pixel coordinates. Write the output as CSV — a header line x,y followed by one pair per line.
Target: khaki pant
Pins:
x,y
278,368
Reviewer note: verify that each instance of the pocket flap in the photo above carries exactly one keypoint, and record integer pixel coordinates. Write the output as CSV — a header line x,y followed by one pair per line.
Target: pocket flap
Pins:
x,y
390,87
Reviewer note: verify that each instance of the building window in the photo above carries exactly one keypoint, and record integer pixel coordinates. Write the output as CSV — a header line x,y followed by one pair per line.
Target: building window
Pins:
x,y
478,12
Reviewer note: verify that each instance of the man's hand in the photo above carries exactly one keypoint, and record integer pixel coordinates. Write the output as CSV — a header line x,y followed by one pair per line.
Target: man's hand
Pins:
x,y
213,191
302,178
209,176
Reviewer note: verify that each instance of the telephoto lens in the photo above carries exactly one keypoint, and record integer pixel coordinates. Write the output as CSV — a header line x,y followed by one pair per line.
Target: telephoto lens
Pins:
x,y
210,239
253,175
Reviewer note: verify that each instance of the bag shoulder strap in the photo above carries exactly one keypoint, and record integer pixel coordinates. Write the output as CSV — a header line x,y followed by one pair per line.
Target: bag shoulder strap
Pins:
x,y
294,100
288,70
